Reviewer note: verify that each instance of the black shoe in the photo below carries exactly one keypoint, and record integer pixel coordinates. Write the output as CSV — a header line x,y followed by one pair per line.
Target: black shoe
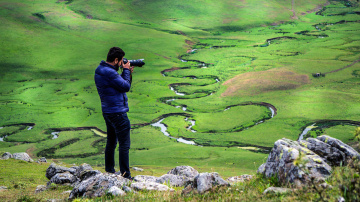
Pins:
x,y
130,178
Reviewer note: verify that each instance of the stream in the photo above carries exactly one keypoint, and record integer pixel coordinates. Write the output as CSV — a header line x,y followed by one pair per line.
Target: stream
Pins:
x,y
163,129
200,64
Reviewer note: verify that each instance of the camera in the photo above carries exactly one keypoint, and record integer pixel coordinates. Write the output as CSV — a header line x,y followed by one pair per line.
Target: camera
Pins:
x,y
137,63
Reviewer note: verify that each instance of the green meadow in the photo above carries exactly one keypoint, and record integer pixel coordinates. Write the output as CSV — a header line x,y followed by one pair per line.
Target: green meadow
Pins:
x,y
243,71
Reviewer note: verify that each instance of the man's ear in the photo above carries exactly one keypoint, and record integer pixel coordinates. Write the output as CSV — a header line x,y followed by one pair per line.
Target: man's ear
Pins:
x,y
116,60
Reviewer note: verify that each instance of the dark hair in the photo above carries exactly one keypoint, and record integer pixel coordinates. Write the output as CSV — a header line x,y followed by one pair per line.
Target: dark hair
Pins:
x,y
115,52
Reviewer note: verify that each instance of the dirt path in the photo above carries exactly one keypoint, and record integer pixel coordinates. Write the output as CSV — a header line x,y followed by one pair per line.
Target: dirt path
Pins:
x,y
293,10
356,61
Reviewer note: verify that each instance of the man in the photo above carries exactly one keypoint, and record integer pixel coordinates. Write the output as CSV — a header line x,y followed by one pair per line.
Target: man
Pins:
x,y
112,88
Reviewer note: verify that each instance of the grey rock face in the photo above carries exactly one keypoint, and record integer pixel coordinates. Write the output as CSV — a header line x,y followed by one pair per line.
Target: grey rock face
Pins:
x,y
3,188
173,180
22,156
331,155
144,178
6,156
97,185
66,192
137,169
43,160
127,189
116,191
152,186
206,181
62,178
348,151
86,174
186,171
341,199
241,178
40,188
54,200
277,190
82,169
53,169
299,162
289,161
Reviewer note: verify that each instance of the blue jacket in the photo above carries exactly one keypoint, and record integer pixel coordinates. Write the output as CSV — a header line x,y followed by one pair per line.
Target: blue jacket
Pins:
x,y
112,88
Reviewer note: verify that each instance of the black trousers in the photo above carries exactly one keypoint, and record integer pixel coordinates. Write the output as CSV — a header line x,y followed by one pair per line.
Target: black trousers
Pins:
x,y
118,130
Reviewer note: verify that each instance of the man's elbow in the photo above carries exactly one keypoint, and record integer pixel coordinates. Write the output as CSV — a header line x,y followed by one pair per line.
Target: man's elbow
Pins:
x,y
127,88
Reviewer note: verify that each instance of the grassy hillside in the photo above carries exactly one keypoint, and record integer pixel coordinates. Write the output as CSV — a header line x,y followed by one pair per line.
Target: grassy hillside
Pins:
x,y
221,65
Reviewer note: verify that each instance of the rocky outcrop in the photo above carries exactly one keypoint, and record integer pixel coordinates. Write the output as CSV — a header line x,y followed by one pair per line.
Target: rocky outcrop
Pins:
x,y
300,162
53,169
204,182
42,160
6,156
116,191
63,178
151,186
238,179
23,156
186,171
92,183
277,190
348,151
144,178
40,188
97,185
3,188
138,169
173,180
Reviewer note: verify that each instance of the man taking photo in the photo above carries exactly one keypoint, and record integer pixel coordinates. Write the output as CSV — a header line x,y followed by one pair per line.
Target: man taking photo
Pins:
x,y
112,88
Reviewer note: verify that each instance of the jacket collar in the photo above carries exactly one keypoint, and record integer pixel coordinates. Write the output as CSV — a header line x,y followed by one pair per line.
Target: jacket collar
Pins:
x,y
103,63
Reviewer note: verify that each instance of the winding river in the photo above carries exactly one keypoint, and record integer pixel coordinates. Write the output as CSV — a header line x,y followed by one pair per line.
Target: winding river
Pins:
x,y
199,64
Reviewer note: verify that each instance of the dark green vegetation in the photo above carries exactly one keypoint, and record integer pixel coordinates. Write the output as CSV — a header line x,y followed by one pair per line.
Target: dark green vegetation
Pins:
x,y
21,184
228,62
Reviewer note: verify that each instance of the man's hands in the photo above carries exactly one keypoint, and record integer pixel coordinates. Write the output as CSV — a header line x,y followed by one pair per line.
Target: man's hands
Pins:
x,y
127,66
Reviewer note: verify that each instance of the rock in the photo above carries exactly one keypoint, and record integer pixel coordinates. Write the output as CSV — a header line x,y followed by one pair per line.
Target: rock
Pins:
x,y
348,151
241,178
43,160
63,178
137,169
96,186
144,178
6,156
277,190
331,155
187,189
341,199
152,186
40,188
127,189
3,188
206,181
53,169
186,171
173,180
83,168
294,163
66,192
325,186
86,174
22,156
116,191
